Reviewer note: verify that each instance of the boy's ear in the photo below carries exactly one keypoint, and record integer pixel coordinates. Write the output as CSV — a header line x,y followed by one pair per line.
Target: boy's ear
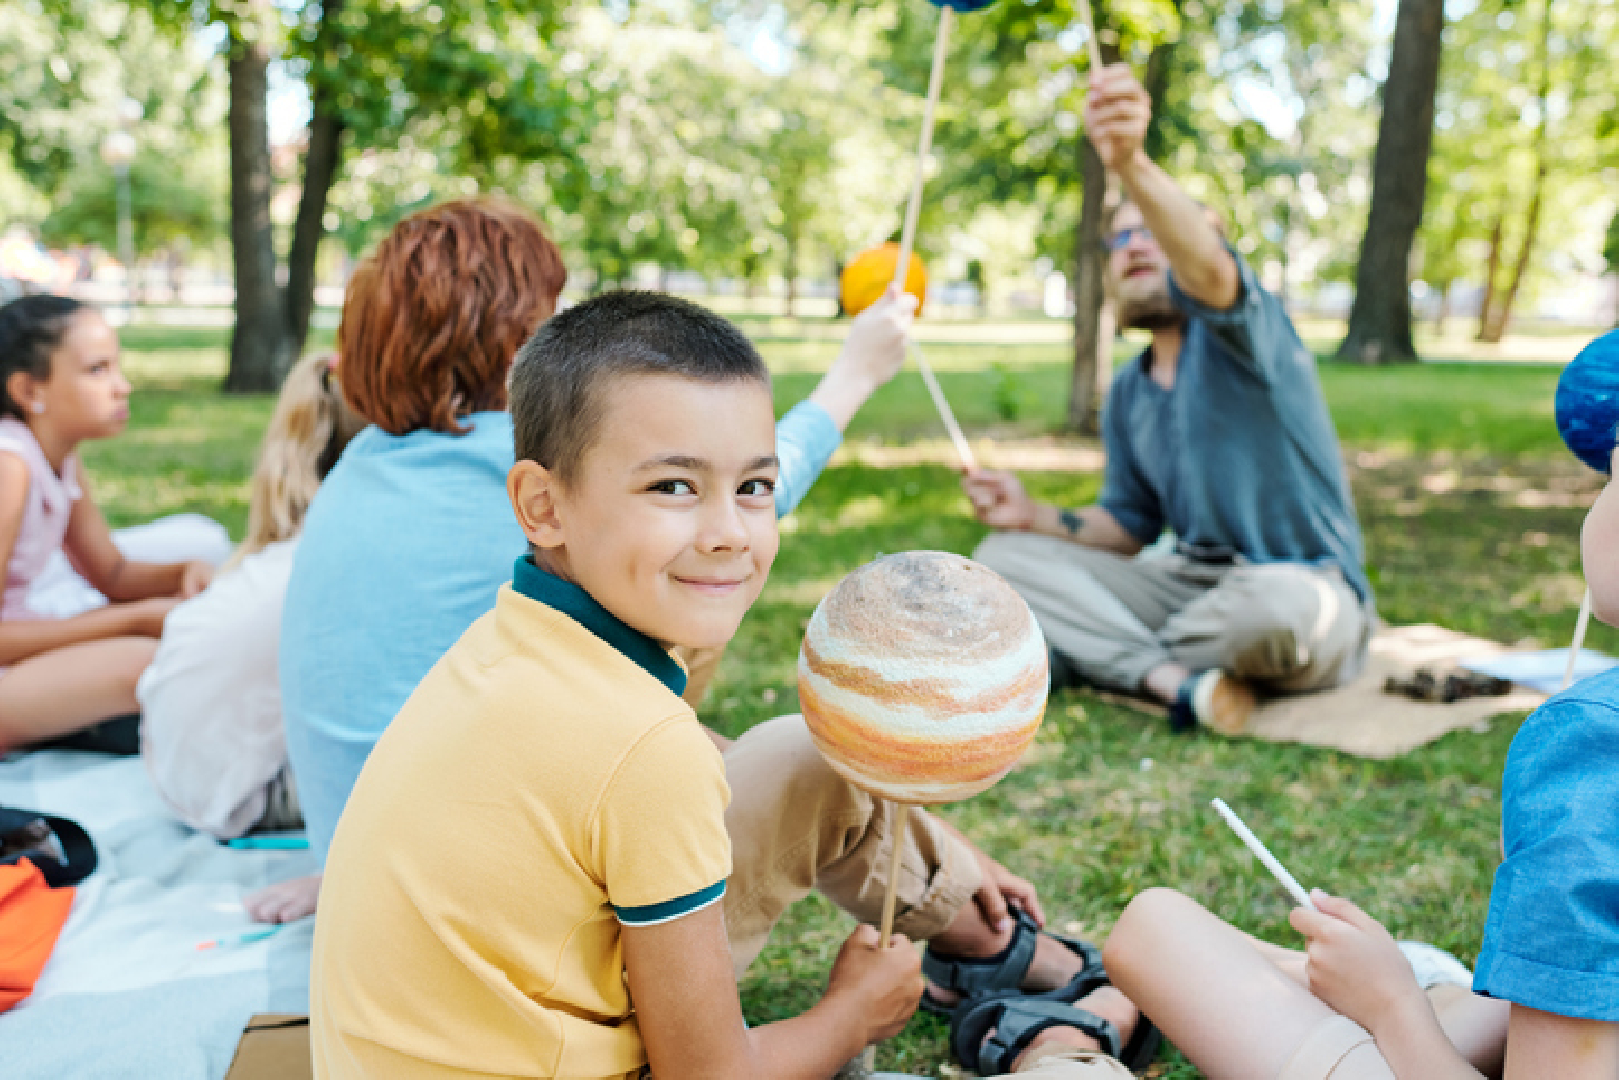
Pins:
x,y
533,490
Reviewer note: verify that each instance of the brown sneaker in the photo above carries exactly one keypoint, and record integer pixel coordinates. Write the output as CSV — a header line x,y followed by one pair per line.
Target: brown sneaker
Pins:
x,y
1221,702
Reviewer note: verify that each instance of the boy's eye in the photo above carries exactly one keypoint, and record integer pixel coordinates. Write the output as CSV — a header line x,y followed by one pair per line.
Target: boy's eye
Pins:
x,y
673,487
757,487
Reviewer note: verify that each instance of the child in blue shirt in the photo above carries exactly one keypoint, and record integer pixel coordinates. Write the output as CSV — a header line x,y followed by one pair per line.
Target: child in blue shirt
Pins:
x,y
1545,1001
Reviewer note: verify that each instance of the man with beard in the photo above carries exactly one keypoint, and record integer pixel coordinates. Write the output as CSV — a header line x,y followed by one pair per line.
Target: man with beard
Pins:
x,y
1217,433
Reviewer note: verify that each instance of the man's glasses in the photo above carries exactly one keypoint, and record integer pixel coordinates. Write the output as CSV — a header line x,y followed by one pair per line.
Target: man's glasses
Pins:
x,y
1121,239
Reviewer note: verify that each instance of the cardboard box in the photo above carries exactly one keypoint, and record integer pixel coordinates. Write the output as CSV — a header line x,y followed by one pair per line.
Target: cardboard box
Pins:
x,y
275,1046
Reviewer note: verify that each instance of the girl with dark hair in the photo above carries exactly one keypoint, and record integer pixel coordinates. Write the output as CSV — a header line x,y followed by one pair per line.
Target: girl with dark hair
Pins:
x,y
60,384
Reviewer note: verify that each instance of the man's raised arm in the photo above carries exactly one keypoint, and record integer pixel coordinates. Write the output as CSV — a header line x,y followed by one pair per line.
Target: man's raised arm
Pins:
x,y
1117,111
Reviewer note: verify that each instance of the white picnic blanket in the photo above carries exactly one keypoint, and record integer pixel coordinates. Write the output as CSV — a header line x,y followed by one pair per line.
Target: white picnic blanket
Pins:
x,y
127,993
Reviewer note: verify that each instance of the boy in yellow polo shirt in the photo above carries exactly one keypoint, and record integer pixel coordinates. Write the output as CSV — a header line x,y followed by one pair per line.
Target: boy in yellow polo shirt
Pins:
x,y
543,836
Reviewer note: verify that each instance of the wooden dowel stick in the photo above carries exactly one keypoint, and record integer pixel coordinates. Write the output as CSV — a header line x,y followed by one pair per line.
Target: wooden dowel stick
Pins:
x,y
895,857
913,209
1090,35
957,436
1579,639
907,235
894,860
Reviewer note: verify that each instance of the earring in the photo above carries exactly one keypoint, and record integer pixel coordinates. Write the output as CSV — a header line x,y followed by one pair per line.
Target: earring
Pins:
x,y
38,408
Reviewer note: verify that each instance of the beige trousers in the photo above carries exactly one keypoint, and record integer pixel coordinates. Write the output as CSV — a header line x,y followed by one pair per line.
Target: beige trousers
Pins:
x,y
1285,627
796,825
1070,1065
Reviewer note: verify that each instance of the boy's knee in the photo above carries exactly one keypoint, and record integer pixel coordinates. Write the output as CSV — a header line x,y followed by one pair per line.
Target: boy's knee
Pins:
x,y
781,753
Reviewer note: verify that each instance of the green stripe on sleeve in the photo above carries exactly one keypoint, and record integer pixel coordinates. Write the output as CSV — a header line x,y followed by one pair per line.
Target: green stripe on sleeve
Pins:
x,y
652,914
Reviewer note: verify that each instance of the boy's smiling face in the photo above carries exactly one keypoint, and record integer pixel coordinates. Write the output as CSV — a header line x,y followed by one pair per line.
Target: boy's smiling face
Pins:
x,y
670,521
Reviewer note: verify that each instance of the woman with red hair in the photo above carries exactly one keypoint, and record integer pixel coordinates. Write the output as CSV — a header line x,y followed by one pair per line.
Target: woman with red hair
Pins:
x,y
388,573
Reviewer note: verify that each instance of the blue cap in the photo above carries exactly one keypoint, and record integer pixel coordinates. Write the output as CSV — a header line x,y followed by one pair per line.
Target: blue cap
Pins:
x,y
963,5
1588,402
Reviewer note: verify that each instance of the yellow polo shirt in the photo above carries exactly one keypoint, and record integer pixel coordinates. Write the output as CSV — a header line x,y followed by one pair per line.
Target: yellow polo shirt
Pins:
x,y
543,786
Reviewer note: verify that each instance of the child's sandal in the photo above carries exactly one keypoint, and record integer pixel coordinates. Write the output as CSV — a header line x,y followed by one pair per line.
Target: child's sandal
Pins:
x,y
1005,972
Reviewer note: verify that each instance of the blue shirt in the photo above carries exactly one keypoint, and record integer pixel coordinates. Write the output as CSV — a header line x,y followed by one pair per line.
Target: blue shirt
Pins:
x,y
407,542
1240,457
1552,939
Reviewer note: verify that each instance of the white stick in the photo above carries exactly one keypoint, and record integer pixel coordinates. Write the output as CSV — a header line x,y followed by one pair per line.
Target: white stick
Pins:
x,y
1579,638
1090,34
1289,882
913,209
957,436
907,236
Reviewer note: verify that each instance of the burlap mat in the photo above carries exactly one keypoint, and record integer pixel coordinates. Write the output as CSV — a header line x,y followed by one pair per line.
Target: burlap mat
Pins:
x,y
1359,718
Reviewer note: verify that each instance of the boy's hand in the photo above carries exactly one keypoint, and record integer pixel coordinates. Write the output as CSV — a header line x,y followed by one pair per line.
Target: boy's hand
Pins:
x,y
999,500
874,351
880,987
1000,889
1353,964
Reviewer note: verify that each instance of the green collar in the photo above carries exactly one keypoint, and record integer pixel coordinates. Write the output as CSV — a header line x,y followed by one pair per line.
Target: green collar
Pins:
x,y
582,608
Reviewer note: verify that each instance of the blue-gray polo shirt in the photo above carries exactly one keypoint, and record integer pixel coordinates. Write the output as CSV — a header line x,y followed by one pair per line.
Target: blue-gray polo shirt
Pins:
x,y
1240,457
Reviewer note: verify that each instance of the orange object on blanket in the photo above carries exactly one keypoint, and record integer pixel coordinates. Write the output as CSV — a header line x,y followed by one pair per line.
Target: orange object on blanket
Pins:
x,y
31,918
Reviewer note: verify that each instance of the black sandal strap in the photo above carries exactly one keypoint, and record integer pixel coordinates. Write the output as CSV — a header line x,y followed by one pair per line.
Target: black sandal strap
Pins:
x,y
1019,1020
976,977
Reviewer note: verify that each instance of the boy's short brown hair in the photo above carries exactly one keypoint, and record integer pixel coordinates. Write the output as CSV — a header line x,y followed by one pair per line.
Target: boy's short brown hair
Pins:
x,y
560,377
432,318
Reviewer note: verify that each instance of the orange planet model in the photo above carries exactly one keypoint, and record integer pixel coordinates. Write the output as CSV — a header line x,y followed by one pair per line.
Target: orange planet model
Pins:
x,y
869,273
923,677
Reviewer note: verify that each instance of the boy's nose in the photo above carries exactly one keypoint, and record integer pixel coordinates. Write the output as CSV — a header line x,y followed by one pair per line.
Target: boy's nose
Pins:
x,y
723,527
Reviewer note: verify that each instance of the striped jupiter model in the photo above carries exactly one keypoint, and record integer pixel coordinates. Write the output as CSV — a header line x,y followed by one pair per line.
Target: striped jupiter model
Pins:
x,y
923,677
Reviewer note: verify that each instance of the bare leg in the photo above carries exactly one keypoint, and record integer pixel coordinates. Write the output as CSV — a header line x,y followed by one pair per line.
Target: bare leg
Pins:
x,y
1164,681
67,689
285,901
1228,1008
1476,1026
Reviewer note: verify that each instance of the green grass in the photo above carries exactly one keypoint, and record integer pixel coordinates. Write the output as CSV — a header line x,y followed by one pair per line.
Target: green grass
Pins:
x,y
1471,513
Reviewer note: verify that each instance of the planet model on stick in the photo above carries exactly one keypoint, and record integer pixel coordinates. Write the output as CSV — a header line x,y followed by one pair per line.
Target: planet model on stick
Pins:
x,y
1588,402
868,275
923,677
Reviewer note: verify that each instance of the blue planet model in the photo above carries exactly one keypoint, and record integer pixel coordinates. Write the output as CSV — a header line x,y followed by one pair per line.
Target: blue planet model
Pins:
x,y
1588,402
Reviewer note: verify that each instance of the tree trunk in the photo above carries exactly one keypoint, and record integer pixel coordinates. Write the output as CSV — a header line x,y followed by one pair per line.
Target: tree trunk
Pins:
x,y
1493,323
1084,404
1442,312
321,163
260,347
792,267
1492,267
1380,321
1090,254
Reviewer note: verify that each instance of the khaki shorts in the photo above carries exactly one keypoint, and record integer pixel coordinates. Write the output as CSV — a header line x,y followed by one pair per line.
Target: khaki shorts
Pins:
x,y
1337,1049
1071,1065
